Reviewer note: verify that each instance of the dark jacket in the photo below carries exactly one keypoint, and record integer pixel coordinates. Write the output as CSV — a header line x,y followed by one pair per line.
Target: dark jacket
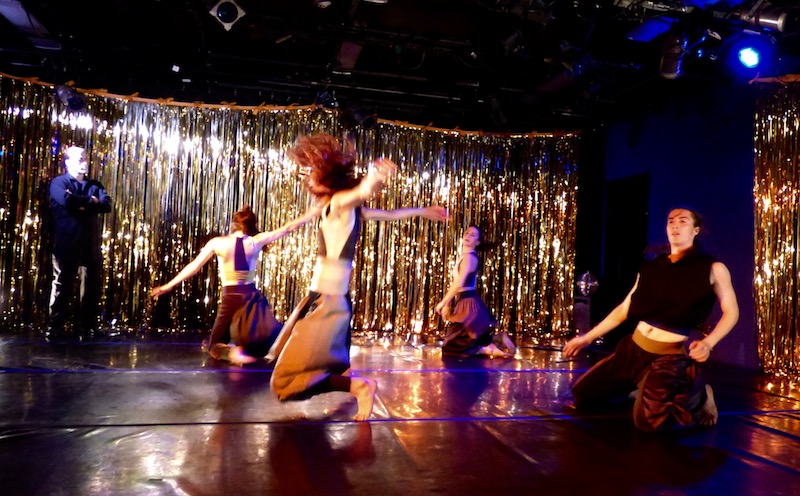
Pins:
x,y
76,223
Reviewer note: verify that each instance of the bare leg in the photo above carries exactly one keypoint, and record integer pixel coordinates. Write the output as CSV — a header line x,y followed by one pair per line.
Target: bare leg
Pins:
x,y
237,356
709,414
364,390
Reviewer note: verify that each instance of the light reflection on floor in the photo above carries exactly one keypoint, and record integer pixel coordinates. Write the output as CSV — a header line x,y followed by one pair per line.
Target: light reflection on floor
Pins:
x,y
134,416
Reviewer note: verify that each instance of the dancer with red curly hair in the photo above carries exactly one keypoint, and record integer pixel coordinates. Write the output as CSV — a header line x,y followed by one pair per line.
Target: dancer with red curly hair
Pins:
x,y
313,349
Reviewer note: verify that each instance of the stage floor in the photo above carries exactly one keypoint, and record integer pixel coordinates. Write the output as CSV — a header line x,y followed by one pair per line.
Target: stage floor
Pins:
x,y
155,416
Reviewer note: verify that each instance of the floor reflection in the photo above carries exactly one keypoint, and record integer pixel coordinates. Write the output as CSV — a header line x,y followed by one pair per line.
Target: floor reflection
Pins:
x,y
152,417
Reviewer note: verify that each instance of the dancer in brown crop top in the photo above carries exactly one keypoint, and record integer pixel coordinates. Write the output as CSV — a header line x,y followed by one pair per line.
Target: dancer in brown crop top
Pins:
x,y
312,352
244,316
672,294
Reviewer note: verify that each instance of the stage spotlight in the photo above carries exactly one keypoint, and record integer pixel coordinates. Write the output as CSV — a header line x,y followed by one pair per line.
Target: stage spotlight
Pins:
x,y
749,53
749,57
768,16
672,52
227,12
70,97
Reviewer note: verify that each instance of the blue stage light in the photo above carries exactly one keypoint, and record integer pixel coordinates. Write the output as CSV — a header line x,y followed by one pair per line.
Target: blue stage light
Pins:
x,y
749,54
749,57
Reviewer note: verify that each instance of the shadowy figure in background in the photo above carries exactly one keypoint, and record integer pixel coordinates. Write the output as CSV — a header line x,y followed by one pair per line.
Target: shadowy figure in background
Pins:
x,y
313,350
673,294
469,327
76,203
244,316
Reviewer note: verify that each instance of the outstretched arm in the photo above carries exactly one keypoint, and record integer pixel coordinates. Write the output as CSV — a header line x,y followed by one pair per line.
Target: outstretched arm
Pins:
x,y
344,200
435,213
611,322
721,281
265,238
191,269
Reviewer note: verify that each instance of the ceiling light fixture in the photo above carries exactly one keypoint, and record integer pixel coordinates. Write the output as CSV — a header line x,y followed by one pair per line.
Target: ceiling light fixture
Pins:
x,y
227,12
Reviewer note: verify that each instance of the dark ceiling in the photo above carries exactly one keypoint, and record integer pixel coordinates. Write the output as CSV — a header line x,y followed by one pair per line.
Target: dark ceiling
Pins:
x,y
495,65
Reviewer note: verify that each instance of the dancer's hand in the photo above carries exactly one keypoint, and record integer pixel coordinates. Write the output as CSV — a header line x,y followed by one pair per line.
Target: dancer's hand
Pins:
x,y
384,169
700,351
574,345
379,173
156,292
440,307
435,213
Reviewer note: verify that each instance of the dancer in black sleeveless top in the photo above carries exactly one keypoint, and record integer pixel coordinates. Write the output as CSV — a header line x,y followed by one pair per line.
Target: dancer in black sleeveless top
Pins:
x,y
673,294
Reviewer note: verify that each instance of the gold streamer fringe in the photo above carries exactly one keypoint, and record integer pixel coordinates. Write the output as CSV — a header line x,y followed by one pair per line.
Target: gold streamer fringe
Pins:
x,y
776,191
178,172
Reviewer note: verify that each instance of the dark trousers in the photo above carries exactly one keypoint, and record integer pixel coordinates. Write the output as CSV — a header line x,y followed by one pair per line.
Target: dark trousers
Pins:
x,y
66,268
670,390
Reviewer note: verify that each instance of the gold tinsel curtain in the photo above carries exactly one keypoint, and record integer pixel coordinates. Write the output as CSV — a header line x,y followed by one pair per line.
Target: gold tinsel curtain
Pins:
x,y
777,227
178,172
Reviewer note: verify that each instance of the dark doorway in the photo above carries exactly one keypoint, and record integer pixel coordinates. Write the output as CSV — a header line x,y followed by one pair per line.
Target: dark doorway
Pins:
x,y
624,243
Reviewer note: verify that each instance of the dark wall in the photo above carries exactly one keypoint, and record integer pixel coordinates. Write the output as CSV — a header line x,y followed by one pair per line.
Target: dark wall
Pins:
x,y
698,152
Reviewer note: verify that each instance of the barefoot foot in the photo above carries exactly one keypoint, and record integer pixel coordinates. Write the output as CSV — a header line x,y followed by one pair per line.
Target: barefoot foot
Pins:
x,y
237,356
493,351
709,414
364,390
507,343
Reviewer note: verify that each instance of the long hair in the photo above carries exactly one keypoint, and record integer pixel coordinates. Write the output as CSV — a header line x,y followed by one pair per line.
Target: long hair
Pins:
x,y
325,162
244,220
484,245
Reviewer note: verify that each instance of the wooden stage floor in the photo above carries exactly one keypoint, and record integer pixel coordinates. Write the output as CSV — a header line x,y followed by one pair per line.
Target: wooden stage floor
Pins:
x,y
154,416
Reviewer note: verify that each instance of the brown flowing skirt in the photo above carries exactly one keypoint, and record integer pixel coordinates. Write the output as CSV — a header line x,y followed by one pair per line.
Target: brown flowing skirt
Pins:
x,y
670,388
314,343
469,326
254,326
